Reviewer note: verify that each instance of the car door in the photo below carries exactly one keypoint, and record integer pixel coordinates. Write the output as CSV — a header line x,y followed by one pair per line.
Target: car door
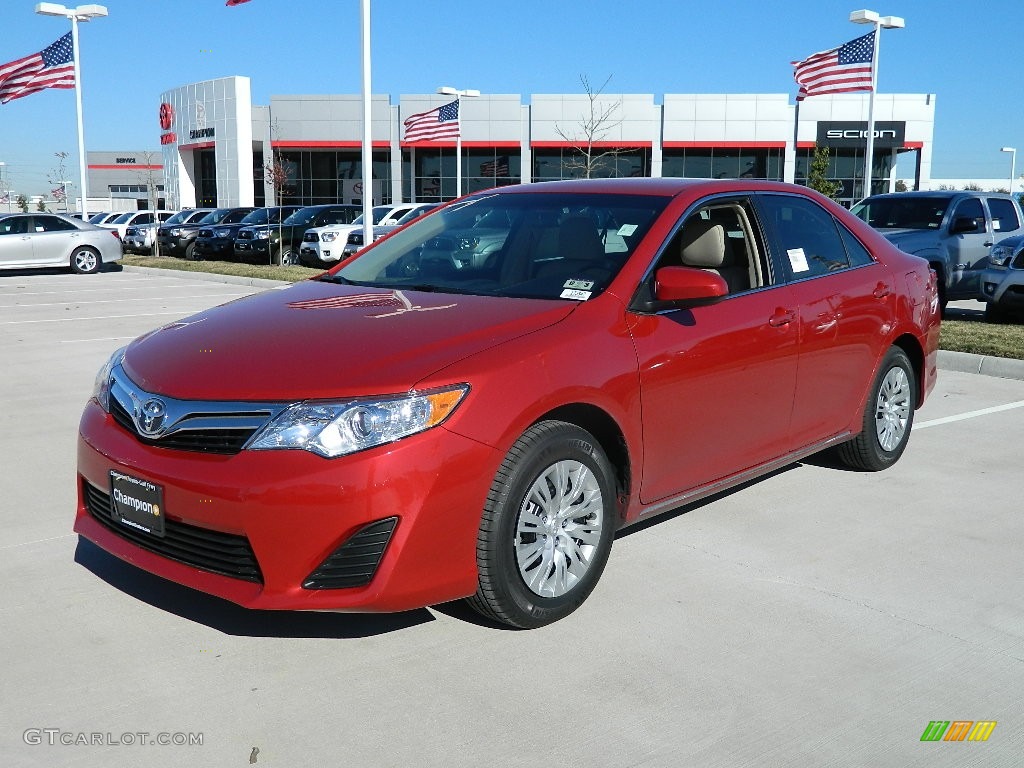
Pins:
x,y
716,381
968,250
52,239
15,244
845,301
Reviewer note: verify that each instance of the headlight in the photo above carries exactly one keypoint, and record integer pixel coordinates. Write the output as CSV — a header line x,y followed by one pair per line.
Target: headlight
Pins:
x,y
328,237
338,429
222,233
261,234
101,388
1000,255
174,232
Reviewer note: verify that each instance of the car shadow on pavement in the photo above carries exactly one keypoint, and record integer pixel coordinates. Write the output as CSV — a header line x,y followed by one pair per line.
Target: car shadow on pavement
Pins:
x,y
233,619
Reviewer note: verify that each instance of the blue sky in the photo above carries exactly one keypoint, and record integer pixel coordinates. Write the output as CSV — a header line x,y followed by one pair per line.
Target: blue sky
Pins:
x,y
969,58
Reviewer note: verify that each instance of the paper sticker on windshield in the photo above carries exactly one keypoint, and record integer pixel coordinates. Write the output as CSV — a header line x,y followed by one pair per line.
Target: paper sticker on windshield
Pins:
x,y
797,259
569,293
626,230
582,285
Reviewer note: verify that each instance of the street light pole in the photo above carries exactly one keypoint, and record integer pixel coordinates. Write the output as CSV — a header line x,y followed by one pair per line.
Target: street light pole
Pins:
x,y
880,23
447,90
1013,163
80,13
367,150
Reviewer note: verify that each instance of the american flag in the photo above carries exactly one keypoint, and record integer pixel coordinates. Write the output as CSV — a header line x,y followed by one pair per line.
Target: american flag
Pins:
x,y
236,2
52,67
496,168
839,70
438,123
5,197
58,193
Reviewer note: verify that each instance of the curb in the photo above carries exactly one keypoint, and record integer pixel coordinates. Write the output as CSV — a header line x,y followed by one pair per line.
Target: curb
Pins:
x,y
209,277
967,362
961,362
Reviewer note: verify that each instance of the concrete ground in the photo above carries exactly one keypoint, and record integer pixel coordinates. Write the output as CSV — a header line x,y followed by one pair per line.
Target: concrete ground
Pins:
x,y
818,617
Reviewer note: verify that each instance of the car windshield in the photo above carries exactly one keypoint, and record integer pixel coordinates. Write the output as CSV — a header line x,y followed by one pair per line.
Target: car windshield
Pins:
x,y
415,213
124,218
535,244
215,217
179,218
903,212
98,218
302,216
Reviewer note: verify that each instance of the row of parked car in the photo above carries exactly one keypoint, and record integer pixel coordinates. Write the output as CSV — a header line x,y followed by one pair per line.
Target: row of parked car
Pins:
x,y
315,235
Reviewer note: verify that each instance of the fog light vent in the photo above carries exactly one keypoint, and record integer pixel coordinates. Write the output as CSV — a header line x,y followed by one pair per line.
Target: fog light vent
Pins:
x,y
354,563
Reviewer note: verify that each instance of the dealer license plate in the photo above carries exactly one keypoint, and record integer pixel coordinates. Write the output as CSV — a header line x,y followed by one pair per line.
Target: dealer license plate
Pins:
x,y
137,503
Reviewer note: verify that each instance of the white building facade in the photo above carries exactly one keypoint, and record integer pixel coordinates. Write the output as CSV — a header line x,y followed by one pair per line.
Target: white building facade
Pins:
x,y
220,150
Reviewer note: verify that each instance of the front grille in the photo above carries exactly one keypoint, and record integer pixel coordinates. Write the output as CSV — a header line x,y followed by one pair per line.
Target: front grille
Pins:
x,y
354,563
213,551
227,441
311,237
206,233
1018,262
245,234
356,238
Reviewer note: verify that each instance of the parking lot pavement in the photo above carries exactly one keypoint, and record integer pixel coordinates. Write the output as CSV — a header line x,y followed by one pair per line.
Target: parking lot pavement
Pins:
x,y
816,617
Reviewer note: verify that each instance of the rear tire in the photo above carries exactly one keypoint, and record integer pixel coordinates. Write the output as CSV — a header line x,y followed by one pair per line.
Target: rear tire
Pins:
x,y
888,416
547,527
85,261
995,314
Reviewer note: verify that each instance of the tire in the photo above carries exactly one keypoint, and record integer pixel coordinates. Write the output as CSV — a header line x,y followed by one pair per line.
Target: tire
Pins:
x,y
85,261
995,314
190,252
888,416
289,257
536,568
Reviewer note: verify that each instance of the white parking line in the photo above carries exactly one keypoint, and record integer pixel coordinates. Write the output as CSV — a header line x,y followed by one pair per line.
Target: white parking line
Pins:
x,y
84,319
969,415
118,301
86,341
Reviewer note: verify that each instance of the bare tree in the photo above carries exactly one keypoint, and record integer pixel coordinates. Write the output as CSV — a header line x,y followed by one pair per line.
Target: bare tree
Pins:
x,y
151,180
58,177
275,172
589,158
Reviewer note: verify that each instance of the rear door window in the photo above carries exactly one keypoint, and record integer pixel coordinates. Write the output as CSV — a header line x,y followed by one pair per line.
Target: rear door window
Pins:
x,y
806,236
1004,215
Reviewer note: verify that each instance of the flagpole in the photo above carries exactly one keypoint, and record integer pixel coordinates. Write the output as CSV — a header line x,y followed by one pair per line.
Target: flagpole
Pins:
x,y
81,128
879,22
367,155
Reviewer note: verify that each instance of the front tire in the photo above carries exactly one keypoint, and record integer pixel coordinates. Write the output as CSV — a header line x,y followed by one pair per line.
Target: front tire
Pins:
x,y
289,257
547,527
888,416
85,261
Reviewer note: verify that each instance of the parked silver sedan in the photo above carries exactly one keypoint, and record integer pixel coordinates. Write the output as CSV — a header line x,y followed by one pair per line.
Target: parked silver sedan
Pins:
x,y
53,240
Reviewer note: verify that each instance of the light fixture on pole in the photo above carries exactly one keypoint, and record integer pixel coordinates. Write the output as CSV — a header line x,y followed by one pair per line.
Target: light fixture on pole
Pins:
x,y
77,14
880,23
1013,163
459,95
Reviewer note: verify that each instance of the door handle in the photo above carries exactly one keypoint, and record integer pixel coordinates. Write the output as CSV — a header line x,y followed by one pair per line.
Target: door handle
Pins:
x,y
881,290
781,317
989,243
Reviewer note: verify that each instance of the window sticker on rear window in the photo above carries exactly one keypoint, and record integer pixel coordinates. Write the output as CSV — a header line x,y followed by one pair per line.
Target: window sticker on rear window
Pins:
x,y
797,259
569,293
582,285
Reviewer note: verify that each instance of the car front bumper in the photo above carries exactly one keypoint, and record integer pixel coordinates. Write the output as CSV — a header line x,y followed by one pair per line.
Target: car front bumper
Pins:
x,y
216,247
1003,287
294,510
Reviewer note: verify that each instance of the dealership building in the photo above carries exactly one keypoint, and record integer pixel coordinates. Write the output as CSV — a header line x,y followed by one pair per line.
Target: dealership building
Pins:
x,y
219,149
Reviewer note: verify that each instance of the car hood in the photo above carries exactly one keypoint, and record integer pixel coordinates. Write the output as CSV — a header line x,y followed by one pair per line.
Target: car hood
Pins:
x,y
324,340
908,238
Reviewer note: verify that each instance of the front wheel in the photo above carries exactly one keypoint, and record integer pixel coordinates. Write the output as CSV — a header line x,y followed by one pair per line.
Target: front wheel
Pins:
x,y
888,416
289,258
547,527
85,261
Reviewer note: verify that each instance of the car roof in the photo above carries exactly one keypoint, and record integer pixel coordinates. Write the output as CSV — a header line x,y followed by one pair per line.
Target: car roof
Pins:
x,y
664,187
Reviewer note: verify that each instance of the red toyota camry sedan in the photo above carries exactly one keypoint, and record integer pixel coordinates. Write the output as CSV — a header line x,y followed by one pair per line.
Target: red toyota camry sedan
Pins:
x,y
474,405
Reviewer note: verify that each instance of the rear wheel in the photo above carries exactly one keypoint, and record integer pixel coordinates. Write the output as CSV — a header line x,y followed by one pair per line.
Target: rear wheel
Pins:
x,y
888,416
547,527
994,313
85,261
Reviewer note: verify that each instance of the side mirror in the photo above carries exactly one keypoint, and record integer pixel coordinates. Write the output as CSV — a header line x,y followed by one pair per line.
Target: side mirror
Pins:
x,y
964,225
696,286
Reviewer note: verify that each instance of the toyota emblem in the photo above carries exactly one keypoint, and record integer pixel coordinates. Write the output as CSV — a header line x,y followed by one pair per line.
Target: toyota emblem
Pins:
x,y
149,416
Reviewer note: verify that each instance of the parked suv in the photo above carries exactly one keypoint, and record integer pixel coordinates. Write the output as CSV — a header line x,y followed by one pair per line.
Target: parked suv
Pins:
x,y
323,246
952,230
217,241
181,240
280,244
409,212
134,219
